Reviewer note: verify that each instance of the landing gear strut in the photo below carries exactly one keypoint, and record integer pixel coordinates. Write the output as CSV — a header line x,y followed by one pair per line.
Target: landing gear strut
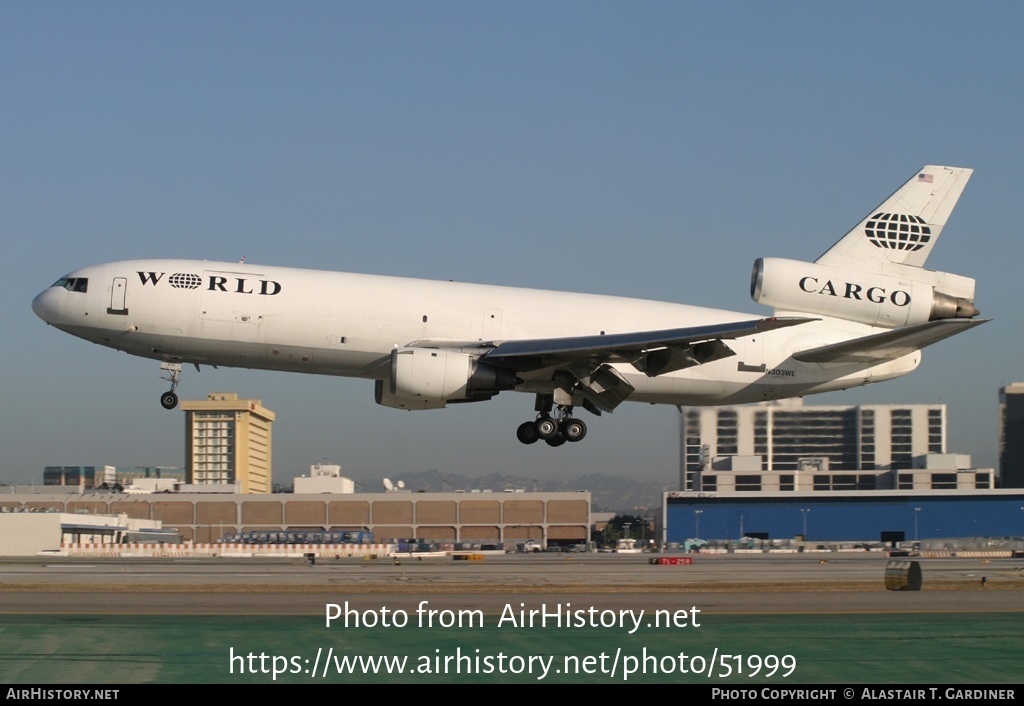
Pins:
x,y
554,429
169,400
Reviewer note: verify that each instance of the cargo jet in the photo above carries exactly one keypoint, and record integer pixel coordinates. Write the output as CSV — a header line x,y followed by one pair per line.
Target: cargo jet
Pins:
x,y
860,313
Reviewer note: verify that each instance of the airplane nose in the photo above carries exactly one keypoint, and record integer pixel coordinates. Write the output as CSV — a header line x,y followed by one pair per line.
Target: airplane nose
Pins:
x,y
44,305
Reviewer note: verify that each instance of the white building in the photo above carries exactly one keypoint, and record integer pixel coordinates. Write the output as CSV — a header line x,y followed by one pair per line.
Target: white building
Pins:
x,y
324,478
789,446
37,530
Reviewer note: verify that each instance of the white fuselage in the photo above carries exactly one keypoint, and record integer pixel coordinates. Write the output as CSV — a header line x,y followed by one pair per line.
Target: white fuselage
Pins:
x,y
331,323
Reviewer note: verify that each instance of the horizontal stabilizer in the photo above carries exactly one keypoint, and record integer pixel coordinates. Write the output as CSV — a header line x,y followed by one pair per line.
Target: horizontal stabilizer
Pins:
x,y
888,345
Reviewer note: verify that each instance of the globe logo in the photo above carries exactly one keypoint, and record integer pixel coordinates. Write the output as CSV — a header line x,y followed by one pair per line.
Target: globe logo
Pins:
x,y
897,231
184,281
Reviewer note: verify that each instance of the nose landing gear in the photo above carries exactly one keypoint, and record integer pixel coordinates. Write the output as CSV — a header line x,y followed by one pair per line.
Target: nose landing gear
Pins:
x,y
169,400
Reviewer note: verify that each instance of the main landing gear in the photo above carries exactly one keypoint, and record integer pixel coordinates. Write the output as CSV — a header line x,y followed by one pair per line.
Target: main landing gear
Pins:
x,y
554,430
169,400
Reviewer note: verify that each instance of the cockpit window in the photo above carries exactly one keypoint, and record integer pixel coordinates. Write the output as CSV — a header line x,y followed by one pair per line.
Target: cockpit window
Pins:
x,y
73,284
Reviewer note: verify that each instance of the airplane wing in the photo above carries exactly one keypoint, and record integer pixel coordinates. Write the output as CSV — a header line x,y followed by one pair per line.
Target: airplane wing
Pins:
x,y
587,359
887,345
583,363
652,352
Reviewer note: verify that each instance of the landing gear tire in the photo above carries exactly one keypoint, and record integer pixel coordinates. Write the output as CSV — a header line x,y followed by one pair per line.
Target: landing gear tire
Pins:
x,y
556,440
573,429
547,428
527,433
169,400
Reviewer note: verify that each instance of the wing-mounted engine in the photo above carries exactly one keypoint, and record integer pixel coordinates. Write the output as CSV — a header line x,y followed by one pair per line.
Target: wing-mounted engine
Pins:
x,y
892,295
430,378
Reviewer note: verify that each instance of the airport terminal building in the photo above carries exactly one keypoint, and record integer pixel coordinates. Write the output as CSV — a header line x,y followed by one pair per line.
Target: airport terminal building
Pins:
x,y
440,518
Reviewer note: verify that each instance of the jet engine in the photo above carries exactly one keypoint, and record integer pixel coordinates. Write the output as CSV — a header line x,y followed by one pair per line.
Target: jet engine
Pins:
x,y
430,378
895,295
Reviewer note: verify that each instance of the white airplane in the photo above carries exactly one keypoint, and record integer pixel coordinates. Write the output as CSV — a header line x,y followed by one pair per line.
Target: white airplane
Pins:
x,y
860,313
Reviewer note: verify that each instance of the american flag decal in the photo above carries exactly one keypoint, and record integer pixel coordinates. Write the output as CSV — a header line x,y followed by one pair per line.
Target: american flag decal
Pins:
x,y
925,178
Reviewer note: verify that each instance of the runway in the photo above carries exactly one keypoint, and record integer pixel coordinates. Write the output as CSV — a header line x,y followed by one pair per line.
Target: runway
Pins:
x,y
751,619
739,584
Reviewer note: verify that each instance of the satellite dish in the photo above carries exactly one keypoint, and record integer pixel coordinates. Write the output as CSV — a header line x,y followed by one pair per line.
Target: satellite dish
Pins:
x,y
388,485
401,484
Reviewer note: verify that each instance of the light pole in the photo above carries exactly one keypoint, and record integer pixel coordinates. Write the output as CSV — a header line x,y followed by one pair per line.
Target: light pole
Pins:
x,y
642,527
917,510
696,522
804,511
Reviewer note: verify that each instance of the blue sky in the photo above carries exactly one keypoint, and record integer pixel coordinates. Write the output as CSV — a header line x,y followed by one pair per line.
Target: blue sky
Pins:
x,y
650,149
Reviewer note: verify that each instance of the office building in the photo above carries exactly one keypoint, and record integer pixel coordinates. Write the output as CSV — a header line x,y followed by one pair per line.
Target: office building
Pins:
x,y
86,477
1011,435
97,476
228,442
788,446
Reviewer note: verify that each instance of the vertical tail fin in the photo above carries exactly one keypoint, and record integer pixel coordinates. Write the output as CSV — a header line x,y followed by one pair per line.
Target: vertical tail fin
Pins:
x,y
904,228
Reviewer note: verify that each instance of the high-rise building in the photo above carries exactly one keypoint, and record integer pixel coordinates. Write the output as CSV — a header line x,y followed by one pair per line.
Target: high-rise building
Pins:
x,y
227,442
789,446
1011,435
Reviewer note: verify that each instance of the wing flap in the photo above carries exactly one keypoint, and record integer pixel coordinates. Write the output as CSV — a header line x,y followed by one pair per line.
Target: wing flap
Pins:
x,y
888,345
605,388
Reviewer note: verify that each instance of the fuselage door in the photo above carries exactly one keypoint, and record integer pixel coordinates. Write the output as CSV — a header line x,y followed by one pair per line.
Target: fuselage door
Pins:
x,y
118,289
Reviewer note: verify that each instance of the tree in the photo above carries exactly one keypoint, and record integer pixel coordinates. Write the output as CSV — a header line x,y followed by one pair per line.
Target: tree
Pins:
x,y
631,526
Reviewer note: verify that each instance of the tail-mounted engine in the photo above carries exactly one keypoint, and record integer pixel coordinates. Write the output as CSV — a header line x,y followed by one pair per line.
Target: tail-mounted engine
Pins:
x,y
899,296
430,378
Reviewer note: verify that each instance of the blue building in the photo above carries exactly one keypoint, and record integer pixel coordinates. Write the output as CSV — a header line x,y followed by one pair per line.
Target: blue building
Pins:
x,y
845,515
